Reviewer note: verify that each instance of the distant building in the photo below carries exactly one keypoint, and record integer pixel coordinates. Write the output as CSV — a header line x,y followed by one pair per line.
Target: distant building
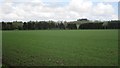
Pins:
x,y
82,19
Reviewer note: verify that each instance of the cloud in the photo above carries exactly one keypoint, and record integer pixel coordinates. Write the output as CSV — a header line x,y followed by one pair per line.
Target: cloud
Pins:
x,y
80,5
104,12
38,10
103,9
105,0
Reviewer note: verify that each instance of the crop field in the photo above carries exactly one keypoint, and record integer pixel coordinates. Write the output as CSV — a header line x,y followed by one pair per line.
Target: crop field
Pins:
x,y
60,47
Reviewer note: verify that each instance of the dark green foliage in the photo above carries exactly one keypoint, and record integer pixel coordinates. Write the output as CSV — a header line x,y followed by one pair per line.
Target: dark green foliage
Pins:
x,y
61,26
71,26
25,26
91,26
45,25
4,26
9,26
17,25
114,25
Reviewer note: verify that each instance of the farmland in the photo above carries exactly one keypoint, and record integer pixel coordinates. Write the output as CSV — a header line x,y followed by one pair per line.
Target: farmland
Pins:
x,y
60,47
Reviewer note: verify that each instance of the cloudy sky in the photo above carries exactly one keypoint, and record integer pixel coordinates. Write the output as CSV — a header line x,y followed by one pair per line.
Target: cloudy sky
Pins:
x,y
66,10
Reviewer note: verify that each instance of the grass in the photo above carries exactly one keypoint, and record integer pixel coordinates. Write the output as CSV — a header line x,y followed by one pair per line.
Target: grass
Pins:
x,y
60,48
0,48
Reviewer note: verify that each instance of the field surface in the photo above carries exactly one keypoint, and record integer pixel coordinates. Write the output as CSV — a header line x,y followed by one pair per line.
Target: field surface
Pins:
x,y
0,48
60,48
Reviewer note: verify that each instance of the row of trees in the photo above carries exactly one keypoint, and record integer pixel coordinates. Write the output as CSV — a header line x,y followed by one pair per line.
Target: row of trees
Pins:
x,y
46,25
35,25
101,25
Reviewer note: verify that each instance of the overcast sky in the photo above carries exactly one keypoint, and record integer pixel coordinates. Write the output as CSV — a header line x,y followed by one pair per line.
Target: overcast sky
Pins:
x,y
66,10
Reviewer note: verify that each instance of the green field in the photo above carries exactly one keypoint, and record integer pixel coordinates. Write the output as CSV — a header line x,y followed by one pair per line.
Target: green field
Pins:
x,y
0,48
60,48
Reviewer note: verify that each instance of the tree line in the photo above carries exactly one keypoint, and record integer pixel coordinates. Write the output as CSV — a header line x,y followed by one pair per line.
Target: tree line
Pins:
x,y
49,25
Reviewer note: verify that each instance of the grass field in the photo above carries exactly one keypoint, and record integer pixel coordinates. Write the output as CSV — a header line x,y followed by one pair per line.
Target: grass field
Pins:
x,y
0,48
60,48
